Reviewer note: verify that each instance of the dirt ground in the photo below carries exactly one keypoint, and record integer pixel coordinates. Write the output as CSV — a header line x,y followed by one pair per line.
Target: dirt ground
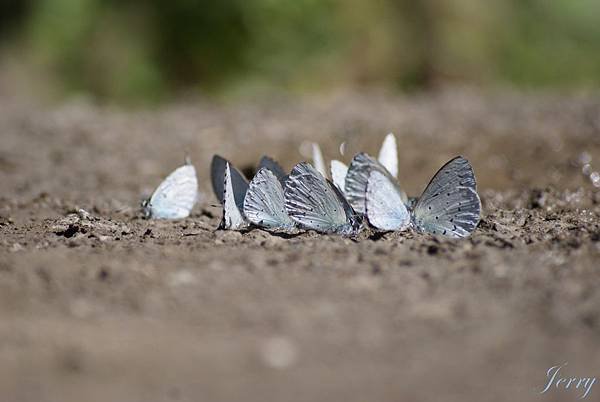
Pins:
x,y
102,305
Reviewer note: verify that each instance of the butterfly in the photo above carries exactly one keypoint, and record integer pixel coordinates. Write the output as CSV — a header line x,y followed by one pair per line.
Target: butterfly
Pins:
x,y
264,205
315,203
449,205
175,197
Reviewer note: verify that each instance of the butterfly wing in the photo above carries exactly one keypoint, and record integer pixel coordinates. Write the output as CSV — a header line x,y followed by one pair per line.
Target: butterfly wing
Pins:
x,y
388,154
312,202
273,166
233,219
175,197
338,173
217,177
264,204
318,160
450,204
385,208
357,178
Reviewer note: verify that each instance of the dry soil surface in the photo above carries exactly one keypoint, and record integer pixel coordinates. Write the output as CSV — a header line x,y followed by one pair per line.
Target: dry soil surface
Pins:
x,y
98,304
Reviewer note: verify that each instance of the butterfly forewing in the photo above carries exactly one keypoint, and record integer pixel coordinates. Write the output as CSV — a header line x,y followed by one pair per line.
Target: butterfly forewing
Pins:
x,y
217,178
318,160
312,202
450,204
385,208
388,154
338,174
264,204
175,197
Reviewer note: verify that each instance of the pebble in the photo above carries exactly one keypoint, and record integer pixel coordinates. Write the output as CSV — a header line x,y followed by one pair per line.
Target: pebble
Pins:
x,y
279,352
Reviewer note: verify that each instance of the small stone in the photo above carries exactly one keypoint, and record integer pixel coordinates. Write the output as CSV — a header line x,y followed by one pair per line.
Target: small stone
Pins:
x,y
279,352
181,278
83,214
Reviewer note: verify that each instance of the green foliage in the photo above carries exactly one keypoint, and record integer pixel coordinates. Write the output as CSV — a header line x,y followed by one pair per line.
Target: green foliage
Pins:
x,y
146,50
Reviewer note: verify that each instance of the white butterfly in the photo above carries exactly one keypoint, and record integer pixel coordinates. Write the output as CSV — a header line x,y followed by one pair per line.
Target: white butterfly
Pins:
x,y
315,203
449,205
175,197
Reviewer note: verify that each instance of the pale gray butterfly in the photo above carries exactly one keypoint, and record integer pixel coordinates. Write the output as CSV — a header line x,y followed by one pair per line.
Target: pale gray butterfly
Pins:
x,y
315,203
264,205
357,179
450,205
175,197
234,193
274,167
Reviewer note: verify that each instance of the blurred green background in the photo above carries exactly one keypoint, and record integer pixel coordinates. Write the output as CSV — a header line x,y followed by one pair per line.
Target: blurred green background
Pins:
x,y
141,51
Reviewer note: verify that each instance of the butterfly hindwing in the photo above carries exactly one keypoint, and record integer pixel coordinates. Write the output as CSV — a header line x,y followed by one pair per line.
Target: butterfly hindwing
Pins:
x,y
264,205
450,205
175,197
385,208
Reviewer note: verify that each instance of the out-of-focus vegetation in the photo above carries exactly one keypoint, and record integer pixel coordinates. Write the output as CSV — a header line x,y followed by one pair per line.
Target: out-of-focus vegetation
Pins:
x,y
148,50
